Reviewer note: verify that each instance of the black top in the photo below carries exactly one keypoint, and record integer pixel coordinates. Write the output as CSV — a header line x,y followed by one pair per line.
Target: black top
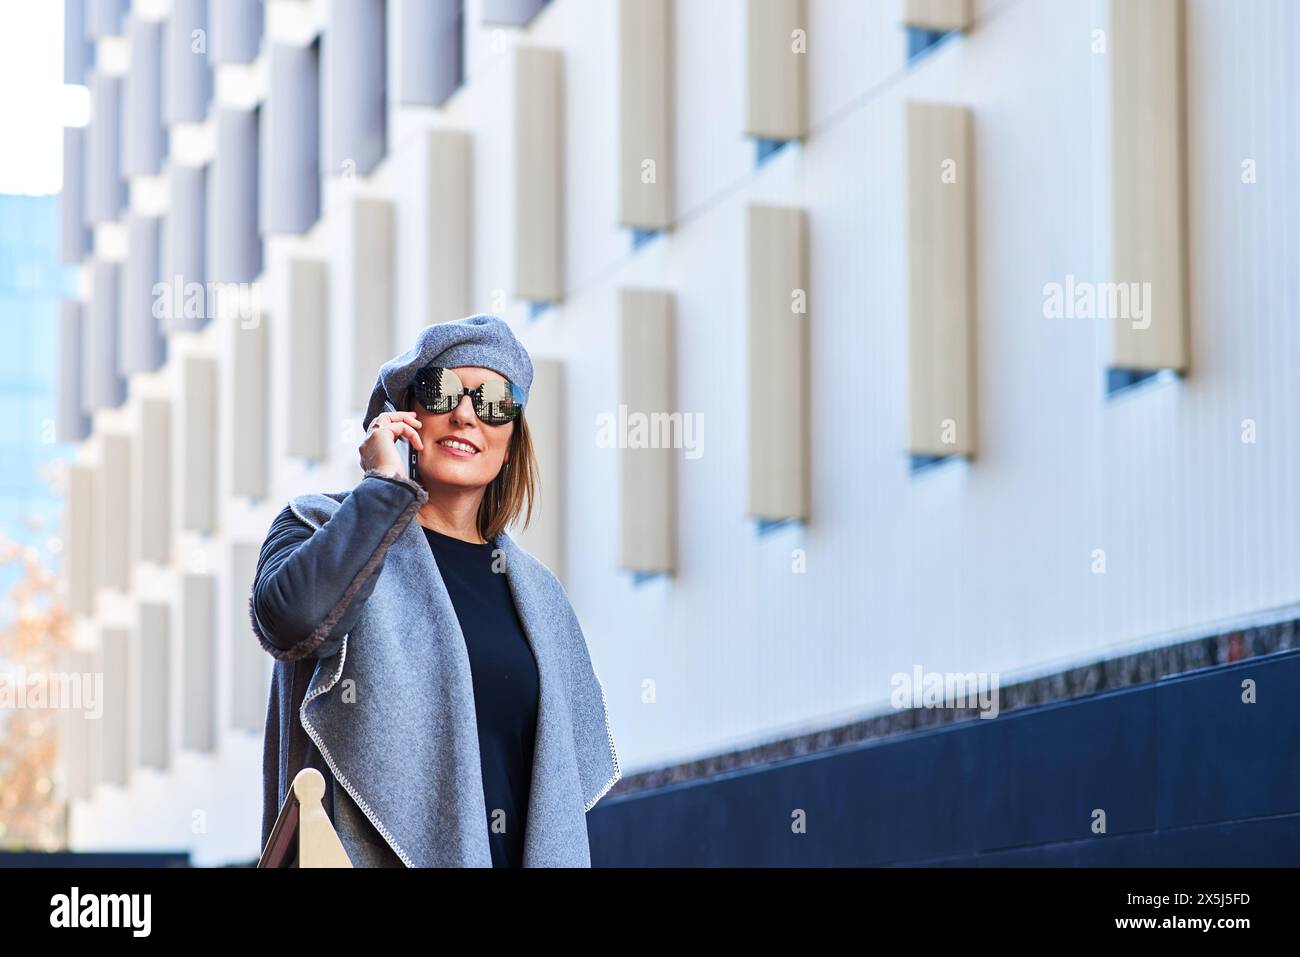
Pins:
x,y
506,686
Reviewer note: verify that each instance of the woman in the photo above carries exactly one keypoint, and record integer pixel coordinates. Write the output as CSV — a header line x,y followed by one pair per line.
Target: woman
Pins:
x,y
428,666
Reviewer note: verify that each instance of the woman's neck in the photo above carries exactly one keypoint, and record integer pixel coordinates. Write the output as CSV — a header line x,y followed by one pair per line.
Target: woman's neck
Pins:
x,y
454,512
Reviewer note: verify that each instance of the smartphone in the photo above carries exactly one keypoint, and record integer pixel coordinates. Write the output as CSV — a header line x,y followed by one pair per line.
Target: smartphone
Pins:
x,y
403,446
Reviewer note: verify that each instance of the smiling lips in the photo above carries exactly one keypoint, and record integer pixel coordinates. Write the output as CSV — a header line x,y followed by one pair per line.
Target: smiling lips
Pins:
x,y
460,447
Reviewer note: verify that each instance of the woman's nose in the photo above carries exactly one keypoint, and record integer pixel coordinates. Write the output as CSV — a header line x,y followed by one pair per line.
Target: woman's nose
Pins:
x,y
464,411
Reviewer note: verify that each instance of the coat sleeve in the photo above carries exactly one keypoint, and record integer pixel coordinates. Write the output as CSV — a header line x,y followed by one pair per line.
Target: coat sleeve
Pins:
x,y
311,583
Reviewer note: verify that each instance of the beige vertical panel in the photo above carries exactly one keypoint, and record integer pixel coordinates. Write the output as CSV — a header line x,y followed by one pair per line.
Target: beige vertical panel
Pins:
x,y
648,473
544,537
248,406
645,114
249,664
937,14
778,362
198,444
76,754
151,506
940,279
367,283
308,331
81,556
1148,182
113,511
539,175
432,255
776,104
153,681
115,734
199,662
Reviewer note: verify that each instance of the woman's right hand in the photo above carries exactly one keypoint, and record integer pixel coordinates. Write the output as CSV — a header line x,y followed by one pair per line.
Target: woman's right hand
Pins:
x,y
379,448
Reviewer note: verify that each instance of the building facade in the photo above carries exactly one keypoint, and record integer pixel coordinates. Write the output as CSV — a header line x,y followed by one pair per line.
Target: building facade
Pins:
x,y
951,335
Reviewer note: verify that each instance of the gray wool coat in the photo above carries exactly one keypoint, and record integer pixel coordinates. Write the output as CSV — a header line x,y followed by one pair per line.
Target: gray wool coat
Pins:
x,y
372,685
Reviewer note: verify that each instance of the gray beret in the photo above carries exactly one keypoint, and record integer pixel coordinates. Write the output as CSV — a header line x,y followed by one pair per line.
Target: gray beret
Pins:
x,y
479,340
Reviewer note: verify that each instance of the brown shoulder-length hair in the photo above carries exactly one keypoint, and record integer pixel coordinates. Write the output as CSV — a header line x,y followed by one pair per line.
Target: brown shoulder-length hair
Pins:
x,y
514,490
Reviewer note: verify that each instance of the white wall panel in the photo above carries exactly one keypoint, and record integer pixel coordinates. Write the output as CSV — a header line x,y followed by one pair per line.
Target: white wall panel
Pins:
x,y
113,510
427,48
187,73
290,201
940,177
184,255
197,443
144,139
142,345
1148,182
355,87
198,642
151,674
105,188
151,507
366,286
81,557
538,180
432,257
248,384
236,30
114,738
306,384
648,465
250,666
74,236
234,246
645,114
73,424
778,363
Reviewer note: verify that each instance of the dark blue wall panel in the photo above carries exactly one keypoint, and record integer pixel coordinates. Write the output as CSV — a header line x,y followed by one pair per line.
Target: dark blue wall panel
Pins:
x,y
1186,773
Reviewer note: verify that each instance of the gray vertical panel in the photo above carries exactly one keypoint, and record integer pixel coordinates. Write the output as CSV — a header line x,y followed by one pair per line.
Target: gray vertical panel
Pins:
x,y
236,30
74,237
154,482
105,17
79,534
105,189
539,175
197,474
235,248
645,114
153,683
141,346
184,268
187,78
779,469
648,472
431,56
309,332
76,753
248,406
290,201
370,292
73,423
78,51
113,512
355,77
199,663
777,76
143,134
513,13
103,385
250,680
114,745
